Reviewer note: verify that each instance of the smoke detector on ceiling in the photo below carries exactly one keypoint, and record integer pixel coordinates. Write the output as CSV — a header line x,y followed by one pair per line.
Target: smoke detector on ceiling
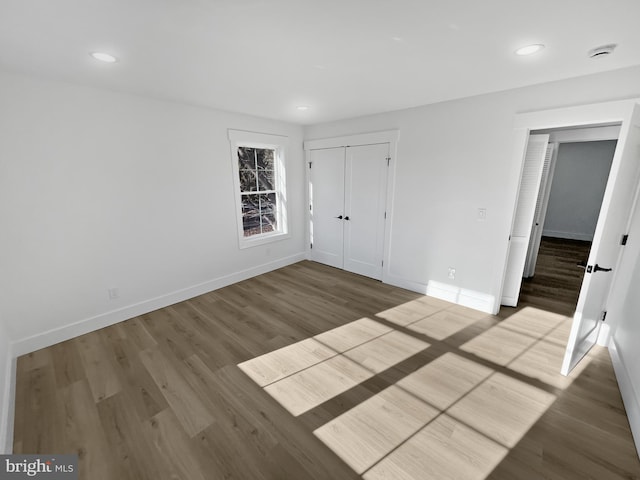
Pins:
x,y
602,50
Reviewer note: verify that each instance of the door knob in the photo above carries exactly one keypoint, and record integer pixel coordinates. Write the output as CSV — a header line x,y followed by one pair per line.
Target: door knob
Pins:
x,y
340,217
346,218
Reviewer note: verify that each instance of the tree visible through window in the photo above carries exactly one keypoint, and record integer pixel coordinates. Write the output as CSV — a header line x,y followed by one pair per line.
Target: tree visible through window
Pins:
x,y
258,193
259,176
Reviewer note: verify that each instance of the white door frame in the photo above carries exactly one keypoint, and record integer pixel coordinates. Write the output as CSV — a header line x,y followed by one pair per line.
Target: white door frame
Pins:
x,y
594,114
388,136
558,138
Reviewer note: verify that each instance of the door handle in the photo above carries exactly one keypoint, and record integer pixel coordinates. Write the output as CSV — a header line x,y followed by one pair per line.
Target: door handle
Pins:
x,y
597,268
340,217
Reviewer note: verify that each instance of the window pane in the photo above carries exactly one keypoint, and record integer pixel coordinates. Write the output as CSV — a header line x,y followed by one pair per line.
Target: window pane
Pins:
x,y
269,224
265,158
266,180
246,158
251,215
248,181
268,212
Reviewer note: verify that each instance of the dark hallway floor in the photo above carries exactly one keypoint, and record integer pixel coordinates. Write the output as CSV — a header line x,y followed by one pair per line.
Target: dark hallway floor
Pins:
x,y
558,277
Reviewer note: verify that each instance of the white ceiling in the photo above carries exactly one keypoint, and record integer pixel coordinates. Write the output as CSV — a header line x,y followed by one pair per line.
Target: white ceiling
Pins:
x,y
343,58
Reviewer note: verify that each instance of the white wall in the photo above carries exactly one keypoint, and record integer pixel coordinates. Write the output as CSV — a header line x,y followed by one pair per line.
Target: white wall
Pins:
x,y
624,315
5,389
579,181
454,158
103,190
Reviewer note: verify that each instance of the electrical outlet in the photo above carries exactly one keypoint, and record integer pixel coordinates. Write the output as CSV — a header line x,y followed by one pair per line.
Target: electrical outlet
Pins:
x,y
452,273
482,214
113,293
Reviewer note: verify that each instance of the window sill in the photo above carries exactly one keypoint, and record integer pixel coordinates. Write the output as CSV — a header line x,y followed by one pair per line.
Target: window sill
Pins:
x,y
262,239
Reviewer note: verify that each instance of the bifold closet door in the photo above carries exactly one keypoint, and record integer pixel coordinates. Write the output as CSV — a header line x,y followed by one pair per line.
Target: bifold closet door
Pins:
x,y
523,220
365,201
326,190
348,188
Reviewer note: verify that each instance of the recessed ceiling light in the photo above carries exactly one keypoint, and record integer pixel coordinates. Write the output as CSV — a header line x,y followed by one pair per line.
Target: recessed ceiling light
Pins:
x,y
529,49
302,108
104,57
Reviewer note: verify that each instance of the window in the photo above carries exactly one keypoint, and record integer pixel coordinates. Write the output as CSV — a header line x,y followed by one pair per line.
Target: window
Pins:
x,y
259,177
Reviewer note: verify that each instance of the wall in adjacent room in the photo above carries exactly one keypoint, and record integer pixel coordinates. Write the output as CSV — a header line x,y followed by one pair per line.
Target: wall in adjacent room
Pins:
x,y
102,190
579,181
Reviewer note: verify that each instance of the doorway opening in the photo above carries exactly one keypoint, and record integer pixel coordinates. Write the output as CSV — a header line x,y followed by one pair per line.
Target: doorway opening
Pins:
x,y
612,227
572,187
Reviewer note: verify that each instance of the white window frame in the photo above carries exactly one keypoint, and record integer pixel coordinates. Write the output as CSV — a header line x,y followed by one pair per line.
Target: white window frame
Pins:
x,y
241,138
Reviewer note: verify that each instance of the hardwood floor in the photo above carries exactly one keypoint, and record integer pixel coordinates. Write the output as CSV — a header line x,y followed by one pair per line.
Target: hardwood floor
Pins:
x,y
309,372
558,276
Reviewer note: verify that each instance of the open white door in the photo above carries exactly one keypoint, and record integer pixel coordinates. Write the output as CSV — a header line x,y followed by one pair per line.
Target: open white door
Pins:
x,y
365,201
540,213
523,218
606,248
326,191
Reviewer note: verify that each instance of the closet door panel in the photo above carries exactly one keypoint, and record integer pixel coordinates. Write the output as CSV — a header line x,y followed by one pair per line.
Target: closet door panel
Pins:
x,y
326,190
365,200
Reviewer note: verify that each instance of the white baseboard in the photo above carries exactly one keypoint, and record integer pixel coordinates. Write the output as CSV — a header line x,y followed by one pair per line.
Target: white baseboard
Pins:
x,y
66,332
586,237
8,404
406,284
604,335
460,296
627,390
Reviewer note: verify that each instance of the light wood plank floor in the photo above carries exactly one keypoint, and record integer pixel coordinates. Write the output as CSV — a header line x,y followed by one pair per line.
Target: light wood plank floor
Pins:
x,y
310,372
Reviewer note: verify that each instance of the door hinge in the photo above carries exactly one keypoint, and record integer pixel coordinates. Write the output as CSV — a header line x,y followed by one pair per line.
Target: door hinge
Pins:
x,y
625,239
385,215
311,246
604,315
382,263
310,164
310,207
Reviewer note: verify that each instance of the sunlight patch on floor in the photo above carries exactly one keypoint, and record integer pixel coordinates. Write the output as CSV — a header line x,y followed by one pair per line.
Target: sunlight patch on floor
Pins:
x,y
513,336
445,380
309,388
414,310
531,342
281,363
317,373
286,361
502,408
352,334
446,448
367,433
451,418
442,324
